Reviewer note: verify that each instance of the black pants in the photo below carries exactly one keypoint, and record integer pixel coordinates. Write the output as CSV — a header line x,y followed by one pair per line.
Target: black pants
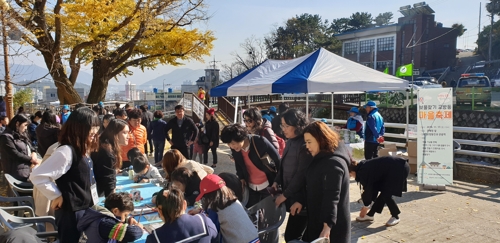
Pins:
x,y
371,150
159,149
256,196
150,141
205,154
183,150
381,201
66,222
295,227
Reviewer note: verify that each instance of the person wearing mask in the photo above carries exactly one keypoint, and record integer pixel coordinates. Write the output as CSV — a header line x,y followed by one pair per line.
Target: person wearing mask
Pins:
x,y
65,114
146,119
327,186
247,151
35,121
67,177
212,133
108,158
137,136
4,121
15,147
276,123
156,132
374,130
47,132
386,175
355,121
184,131
291,175
258,126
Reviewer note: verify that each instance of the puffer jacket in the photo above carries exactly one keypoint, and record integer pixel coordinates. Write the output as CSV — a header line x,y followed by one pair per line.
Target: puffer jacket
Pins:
x,y
267,132
16,154
137,138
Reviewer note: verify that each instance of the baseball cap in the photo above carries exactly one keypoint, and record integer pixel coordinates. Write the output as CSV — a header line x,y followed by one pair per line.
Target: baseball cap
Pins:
x,y
354,109
65,107
210,184
272,108
371,104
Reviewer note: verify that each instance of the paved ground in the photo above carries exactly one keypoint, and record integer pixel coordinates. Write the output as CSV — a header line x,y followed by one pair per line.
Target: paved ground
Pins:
x,y
466,212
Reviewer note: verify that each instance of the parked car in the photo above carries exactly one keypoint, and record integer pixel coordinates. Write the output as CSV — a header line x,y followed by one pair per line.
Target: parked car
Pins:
x,y
473,85
428,79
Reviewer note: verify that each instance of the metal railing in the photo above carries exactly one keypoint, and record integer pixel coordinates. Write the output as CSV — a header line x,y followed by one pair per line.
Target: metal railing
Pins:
x,y
476,130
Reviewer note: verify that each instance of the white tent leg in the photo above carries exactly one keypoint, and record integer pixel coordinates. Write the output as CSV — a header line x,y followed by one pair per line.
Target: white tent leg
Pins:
x,y
236,110
282,98
333,109
407,116
307,105
248,102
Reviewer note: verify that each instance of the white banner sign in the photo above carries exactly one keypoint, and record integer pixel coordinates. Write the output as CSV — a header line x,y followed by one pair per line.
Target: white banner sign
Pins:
x,y
435,136
198,108
187,102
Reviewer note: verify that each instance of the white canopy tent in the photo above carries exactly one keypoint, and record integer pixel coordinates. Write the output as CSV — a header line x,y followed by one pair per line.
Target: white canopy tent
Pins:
x,y
318,72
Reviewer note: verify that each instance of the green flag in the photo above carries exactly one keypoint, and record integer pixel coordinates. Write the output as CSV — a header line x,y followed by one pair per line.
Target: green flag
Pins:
x,y
386,70
406,70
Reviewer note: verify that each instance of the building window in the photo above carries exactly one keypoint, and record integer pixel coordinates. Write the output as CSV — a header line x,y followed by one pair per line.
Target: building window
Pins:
x,y
385,44
52,95
383,64
366,46
351,48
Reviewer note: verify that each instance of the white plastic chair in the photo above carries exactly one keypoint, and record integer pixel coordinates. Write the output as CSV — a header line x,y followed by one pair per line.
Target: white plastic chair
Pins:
x,y
11,222
13,185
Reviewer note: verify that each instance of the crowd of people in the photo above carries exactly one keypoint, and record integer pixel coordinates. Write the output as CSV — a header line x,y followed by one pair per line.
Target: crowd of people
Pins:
x,y
303,164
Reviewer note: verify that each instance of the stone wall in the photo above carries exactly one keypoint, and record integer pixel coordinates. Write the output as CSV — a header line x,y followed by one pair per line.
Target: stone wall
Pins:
x,y
461,118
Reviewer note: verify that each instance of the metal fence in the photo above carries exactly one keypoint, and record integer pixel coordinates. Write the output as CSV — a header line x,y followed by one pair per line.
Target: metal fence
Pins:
x,y
476,130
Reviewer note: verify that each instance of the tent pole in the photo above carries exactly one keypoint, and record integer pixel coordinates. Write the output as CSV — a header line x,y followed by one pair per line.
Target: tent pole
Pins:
x,y
307,105
236,110
407,118
282,98
248,102
333,110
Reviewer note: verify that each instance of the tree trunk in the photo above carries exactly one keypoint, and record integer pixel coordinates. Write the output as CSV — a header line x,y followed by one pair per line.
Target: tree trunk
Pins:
x,y
100,79
66,93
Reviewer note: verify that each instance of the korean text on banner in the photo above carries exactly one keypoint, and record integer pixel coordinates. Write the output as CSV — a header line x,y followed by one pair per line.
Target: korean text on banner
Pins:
x,y
198,108
187,102
435,136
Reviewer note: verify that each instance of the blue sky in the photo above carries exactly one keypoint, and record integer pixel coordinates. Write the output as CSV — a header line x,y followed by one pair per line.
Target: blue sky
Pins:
x,y
234,20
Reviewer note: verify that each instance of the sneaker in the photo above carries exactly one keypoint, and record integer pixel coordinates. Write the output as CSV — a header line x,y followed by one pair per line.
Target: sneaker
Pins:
x,y
213,166
365,218
392,221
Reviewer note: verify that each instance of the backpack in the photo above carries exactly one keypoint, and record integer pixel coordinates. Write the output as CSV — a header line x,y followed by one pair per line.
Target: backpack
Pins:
x,y
281,143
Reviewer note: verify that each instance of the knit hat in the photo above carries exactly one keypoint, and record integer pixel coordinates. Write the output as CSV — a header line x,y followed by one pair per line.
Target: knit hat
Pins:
x,y
210,184
211,111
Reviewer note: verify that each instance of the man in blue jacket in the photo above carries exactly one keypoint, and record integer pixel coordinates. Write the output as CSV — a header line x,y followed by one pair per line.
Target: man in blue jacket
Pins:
x,y
374,130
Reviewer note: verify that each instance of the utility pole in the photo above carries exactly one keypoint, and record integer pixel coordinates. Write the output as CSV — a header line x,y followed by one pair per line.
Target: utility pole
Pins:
x,y
491,33
214,62
8,84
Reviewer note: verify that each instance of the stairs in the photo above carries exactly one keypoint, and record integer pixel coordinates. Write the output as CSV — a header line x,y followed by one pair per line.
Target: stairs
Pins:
x,y
222,120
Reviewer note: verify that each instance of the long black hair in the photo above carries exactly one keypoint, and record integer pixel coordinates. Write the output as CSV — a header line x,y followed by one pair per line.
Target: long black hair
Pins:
x,y
76,130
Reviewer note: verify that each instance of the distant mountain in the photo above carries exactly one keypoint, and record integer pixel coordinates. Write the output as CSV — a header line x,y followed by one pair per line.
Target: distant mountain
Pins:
x,y
174,78
22,73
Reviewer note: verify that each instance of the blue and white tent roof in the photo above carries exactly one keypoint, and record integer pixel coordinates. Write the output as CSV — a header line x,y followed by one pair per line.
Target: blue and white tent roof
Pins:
x,y
317,72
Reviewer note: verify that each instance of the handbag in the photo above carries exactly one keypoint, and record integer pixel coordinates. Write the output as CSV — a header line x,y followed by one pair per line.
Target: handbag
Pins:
x,y
266,159
204,139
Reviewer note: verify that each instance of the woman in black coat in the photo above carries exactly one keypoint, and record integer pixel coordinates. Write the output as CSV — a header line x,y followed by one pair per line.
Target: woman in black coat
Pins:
x,y
15,147
386,175
327,186
247,149
291,175
108,158
212,133
47,132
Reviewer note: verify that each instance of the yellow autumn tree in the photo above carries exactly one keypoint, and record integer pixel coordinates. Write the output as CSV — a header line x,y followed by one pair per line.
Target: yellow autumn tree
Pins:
x,y
111,36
